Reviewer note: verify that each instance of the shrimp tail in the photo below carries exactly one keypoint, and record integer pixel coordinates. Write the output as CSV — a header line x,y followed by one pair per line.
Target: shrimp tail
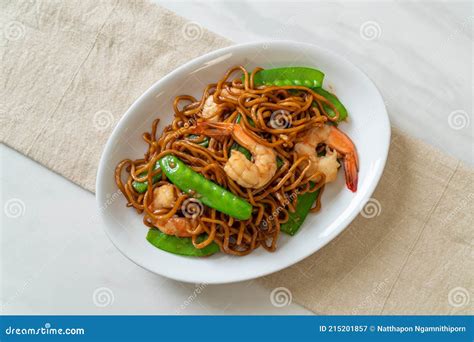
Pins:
x,y
351,171
344,145
213,129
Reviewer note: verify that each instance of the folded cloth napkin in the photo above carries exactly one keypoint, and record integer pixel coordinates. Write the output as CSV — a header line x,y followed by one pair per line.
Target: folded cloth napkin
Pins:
x,y
71,69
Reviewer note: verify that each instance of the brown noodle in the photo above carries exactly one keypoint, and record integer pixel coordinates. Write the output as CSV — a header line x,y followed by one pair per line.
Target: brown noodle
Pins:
x,y
271,203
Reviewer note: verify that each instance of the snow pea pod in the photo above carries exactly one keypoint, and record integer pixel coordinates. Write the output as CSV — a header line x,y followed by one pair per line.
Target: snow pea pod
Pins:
x,y
335,101
208,192
298,76
181,246
142,186
301,76
296,219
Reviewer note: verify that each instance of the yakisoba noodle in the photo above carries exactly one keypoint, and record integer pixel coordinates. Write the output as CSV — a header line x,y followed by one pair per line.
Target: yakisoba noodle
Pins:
x,y
275,116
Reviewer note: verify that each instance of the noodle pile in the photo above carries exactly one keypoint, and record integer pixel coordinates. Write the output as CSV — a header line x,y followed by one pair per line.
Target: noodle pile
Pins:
x,y
274,116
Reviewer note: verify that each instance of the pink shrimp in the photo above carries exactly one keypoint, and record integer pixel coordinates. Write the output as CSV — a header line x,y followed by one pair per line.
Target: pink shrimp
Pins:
x,y
336,140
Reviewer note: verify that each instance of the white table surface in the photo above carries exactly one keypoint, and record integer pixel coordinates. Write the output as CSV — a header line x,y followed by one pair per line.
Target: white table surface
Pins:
x,y
418,54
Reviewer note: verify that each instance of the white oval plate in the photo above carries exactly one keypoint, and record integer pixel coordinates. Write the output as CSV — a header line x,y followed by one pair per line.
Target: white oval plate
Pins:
x,y
368,126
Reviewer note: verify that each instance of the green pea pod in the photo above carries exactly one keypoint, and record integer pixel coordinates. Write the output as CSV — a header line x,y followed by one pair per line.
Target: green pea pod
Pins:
x,y
301,76
208,192
296,219
142,186
335,101
180,246
298,76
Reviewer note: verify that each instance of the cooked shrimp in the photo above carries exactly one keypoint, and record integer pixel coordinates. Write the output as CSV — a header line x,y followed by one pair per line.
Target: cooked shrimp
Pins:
x,y
249,174
177,226
164,196
211,110
232,92
337,143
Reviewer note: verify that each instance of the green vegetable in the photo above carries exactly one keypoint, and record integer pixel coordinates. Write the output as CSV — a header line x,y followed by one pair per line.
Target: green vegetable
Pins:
x,y
335,101
301,76
241,149
181,246
142,186
298,76
239,118
296,219
280,162
208,192
204,143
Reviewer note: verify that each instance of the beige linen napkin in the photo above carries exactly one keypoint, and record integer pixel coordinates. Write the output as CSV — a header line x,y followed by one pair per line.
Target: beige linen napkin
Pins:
x,y
71,69
408,252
